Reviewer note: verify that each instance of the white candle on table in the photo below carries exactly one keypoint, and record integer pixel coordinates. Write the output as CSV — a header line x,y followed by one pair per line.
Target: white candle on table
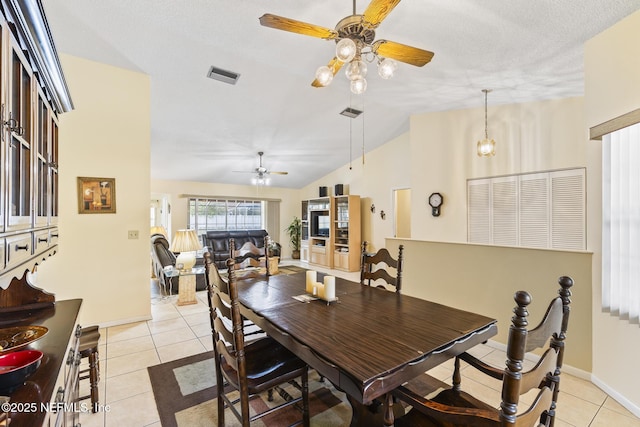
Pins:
x,y
320,290
311,280
329,288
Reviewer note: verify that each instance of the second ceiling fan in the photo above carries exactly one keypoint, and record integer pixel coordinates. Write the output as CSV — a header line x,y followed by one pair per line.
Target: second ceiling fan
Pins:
x,y
355,44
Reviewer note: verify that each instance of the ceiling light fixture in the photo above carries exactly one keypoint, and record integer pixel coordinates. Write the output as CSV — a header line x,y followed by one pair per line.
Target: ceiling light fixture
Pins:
x,y
355,48
486,147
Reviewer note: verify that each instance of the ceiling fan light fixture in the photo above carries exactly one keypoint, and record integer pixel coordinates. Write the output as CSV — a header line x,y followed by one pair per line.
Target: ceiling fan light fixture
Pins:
x,y
359,86
324,75
346,50
387,68
356,69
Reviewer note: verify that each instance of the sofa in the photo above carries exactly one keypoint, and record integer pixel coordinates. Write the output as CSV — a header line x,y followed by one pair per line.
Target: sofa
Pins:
x,y
162,257
217,243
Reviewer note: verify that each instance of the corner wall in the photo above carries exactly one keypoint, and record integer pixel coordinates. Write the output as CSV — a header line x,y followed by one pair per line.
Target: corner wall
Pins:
x,y
106,135
612,88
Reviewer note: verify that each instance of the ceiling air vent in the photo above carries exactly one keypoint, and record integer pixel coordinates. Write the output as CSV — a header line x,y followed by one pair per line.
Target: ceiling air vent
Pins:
x,y
351,112
225,76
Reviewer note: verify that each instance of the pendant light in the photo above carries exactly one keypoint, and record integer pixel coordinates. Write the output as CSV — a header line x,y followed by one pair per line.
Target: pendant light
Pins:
x,y
486,147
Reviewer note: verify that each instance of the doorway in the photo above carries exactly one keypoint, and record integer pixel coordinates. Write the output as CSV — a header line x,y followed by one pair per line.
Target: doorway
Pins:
x,y
402,213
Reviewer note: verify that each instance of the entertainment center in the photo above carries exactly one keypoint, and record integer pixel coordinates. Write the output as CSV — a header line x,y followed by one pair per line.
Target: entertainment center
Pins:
x,y
331,234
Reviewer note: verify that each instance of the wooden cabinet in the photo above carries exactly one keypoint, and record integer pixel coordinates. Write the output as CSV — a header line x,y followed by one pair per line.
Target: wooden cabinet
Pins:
x,y
54,385
334,232
346,233
29,106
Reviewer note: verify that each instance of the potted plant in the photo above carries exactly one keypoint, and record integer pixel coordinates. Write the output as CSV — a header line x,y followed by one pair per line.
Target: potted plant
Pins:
x,y
293,231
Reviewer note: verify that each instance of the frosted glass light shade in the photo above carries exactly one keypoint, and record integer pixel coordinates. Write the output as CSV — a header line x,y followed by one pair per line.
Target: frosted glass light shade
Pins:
x,y
346,50
324,75
359,86
486,148
355,70
386,68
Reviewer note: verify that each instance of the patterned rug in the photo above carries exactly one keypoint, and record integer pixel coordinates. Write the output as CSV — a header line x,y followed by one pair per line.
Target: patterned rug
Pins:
x,y
290,269
185,391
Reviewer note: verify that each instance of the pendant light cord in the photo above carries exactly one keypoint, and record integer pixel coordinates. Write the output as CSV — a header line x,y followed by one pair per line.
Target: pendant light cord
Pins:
x,y
486,132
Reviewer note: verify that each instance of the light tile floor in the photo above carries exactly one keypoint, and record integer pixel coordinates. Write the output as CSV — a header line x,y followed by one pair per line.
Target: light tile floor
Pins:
x,y
179,331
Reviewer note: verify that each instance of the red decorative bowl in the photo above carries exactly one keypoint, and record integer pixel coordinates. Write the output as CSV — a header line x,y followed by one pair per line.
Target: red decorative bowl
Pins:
x,y
16,367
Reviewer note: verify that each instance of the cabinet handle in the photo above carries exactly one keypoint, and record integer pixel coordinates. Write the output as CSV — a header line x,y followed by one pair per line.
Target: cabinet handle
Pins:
x,y
42,240
13,126
54,235
22,248
70,357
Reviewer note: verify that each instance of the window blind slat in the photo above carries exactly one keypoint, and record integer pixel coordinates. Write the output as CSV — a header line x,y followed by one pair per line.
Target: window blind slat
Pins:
x,y
621,223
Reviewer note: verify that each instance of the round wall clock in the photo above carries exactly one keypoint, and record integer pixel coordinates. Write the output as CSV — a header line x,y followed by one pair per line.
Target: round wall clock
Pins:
x,y
435,201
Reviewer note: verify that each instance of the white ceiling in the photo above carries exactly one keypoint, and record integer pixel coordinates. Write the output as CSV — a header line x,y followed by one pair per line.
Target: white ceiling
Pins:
x,y
202,129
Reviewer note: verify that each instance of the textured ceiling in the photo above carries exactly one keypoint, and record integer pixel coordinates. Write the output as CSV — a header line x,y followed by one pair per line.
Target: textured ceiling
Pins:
x,y
202,129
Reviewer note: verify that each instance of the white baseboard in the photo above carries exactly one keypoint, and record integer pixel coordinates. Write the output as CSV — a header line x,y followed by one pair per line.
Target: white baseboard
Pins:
x,y
588,376
124,321
630,406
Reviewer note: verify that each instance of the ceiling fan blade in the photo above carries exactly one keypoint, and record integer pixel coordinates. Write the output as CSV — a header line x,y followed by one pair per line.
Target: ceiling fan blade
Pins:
x,y
403,53
378,10
244,171
286,24
335,64
277,173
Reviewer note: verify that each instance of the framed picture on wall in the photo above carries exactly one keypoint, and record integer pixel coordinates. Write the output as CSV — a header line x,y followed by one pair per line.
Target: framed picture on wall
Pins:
x,y
96,195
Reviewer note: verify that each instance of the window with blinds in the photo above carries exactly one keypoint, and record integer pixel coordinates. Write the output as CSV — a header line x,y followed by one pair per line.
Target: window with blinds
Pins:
x,y
537,210
225,214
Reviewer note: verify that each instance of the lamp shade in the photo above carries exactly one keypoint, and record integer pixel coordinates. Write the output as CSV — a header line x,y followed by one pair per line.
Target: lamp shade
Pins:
x,y
186,243
158,229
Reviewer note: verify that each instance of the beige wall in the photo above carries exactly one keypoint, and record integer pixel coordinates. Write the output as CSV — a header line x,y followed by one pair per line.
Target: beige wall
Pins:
x,y
612,87
535,136
386,168
483,279
106,135
174,191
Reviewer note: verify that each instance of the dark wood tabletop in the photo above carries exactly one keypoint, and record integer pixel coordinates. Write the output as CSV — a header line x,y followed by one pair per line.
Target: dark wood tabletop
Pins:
x,y
371,340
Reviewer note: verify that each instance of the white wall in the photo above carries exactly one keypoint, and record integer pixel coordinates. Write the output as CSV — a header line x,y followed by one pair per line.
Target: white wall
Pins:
x,y
106,135
612,87
175,191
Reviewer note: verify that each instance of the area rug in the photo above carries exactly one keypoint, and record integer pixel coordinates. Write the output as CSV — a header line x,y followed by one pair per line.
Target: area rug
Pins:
x,y
185,390
290,269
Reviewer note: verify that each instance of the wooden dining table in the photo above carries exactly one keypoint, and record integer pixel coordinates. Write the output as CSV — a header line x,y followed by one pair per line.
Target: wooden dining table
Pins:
x,y
369,341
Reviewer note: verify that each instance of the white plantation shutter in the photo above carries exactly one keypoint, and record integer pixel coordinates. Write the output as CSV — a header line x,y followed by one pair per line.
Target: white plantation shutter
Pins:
x,y
505,211
534,210
537,210
568,210
621,223
479,212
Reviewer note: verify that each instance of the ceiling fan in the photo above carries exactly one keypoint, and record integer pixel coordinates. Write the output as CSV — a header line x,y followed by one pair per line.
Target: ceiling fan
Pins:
x,y
261,172
355,44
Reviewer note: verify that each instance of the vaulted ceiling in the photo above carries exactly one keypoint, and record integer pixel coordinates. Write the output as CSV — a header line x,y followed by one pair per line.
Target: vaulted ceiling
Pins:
x,y
203,130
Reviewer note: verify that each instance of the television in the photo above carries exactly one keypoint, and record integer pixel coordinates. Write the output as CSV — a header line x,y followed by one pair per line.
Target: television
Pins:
x,y
320,224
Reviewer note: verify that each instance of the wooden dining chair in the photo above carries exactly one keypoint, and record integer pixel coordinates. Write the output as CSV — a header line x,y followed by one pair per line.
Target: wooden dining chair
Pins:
x,y
252,253
455,407
374,266
249,368
213,278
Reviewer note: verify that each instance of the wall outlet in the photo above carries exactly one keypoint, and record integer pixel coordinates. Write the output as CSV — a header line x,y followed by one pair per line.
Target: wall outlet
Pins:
x,y
133,234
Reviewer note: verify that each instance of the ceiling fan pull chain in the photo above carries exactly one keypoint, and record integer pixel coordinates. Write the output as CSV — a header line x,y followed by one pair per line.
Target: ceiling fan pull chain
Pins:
x,y
363,132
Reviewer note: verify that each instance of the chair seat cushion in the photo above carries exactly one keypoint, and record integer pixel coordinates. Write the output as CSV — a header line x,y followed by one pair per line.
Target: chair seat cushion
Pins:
x,y
268,364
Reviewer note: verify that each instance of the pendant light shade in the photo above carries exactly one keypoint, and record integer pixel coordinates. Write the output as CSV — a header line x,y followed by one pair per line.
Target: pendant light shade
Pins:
x,y
486,147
